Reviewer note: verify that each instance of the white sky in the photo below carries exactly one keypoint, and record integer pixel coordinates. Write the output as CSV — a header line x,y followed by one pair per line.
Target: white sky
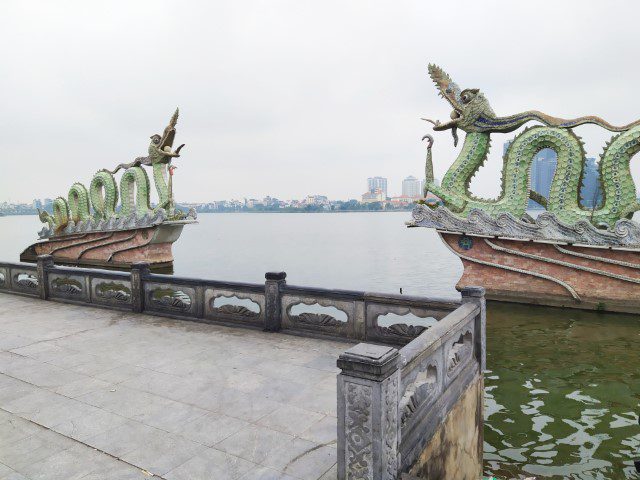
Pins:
x,y
289,98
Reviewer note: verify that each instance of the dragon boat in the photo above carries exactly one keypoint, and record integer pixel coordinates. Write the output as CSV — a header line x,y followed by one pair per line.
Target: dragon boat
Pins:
x,y
90,228
569,256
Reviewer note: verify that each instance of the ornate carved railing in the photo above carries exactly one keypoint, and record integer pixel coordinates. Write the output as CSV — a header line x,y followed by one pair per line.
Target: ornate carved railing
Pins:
x,y
273,306
390,400
20,278
377,317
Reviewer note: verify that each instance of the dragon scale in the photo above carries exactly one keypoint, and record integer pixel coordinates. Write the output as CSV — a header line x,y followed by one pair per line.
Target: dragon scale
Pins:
x,y
104,195
514,194
473,114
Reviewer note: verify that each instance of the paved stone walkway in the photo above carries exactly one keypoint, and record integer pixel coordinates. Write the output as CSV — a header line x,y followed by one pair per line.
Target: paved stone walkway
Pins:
x,y
93,394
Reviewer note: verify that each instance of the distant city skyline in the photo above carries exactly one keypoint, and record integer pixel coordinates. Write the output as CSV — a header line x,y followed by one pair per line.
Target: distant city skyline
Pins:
x,y
410,190
543,169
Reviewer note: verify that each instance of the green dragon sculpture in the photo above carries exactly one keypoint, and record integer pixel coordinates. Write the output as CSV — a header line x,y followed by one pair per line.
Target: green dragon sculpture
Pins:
x,y
134,189
473,114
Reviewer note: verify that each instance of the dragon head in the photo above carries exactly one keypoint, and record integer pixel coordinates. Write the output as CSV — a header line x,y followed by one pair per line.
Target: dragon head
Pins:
x,y
160,147
468,105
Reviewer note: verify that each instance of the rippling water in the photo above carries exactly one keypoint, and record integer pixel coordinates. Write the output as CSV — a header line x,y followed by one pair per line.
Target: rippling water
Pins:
x,y
563,386
562,393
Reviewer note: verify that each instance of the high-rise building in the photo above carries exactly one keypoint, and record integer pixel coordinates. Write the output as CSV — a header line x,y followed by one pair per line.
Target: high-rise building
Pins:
x,y
590,191
377,183
506,146
542,169
411,187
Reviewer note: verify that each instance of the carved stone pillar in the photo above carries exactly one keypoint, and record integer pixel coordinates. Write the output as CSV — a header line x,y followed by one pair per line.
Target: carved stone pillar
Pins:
x,y
139,271
368,413
43,262
273,286
476,295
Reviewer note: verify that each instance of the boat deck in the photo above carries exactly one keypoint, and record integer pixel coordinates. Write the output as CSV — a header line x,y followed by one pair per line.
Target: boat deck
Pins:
x,y
87,393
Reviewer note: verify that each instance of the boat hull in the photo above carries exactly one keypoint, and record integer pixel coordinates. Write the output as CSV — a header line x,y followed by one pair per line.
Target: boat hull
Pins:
x,y
549,273
114,249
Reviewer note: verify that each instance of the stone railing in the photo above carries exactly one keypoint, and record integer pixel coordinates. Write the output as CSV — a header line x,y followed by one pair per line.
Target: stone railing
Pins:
x,y
393,405
272,306
394,394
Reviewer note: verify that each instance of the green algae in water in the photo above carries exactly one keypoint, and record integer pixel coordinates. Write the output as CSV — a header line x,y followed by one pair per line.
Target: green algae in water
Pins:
x,y
562,393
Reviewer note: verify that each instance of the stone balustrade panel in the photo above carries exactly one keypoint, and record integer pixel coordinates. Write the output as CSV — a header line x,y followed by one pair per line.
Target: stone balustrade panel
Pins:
x,y
324,315
73,287
112,291
5,278
234,305
399,324
171,298
436,368
20,278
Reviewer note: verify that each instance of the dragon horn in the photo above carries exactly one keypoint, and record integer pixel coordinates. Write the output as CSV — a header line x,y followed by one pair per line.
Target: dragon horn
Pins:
x,y
439,76
174,118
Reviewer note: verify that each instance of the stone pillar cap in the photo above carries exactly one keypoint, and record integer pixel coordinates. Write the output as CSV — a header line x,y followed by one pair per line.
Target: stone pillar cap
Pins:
x,y
369,361
275,275
472,291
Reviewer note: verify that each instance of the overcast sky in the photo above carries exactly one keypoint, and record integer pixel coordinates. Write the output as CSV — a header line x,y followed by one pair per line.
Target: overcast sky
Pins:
x,y
289,98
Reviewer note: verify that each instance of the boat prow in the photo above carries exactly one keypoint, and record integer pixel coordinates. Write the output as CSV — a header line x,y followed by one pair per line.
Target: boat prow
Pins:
x,y
544,263
112,249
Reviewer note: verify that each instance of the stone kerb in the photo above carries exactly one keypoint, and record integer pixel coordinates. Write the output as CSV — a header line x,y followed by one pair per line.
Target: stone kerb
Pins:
x,y
368,413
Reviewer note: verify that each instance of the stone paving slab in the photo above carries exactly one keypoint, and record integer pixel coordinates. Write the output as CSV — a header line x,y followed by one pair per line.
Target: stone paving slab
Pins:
x,y
92,394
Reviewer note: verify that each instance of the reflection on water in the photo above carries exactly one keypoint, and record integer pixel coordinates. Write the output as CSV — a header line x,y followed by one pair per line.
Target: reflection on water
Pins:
x,y
562,393
563,390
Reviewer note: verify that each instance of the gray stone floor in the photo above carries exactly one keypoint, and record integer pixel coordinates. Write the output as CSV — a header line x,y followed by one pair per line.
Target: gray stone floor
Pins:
x,y
87,393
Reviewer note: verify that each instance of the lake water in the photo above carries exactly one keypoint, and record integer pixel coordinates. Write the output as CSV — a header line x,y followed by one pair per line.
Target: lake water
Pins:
x,y
563,386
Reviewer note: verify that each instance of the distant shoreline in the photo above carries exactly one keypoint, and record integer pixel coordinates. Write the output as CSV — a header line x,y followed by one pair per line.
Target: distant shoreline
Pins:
x,y
249,211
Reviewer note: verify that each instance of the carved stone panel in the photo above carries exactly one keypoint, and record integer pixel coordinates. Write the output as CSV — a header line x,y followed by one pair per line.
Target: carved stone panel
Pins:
x,y
24,281
390,427
397,323
163,297
111,292
358,431
422,388
71,287
459,352
318,314
234,306
4,278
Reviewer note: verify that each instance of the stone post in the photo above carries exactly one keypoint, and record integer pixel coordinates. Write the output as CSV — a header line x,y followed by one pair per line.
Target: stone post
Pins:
x,y
476,295
139,271
43,263
273,286
368,431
